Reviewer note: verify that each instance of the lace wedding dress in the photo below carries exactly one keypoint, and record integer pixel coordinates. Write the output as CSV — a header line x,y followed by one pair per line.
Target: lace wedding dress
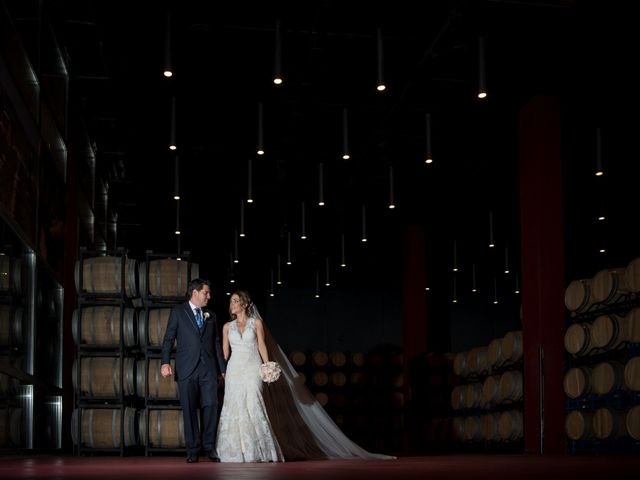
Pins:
x,y
244,431
285,420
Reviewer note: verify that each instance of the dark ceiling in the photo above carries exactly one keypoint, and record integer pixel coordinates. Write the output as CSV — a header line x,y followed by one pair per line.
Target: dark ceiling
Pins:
x,y
223,59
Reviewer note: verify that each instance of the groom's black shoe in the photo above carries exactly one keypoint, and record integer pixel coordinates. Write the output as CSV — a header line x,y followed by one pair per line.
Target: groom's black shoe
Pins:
x,y
213,456
192,459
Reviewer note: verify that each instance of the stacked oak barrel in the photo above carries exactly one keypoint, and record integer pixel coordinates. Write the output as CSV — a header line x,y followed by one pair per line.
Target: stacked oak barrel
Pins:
x,y
488,402
602,379
104,331
122,401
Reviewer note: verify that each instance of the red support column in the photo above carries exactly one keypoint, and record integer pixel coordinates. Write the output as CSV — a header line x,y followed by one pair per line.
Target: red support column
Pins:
x,y
542,242
414,328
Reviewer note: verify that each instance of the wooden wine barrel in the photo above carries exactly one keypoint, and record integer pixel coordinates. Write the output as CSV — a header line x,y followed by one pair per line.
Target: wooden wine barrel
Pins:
x,y
472,428
338,379
322,398
606,377
338,359
473,395
478,360
632,420
320,378
100,427
608,423
152,326
511,385
577,339
578,425
577,382
103,275
632,374
358,359
100,377
11,326
511,425
100,325
608,286
460,364
608,332
577,296
356,379
162,428
512,346
10,274
632,275
457,428
491,391
633,325
494,353
458,394
12,428
167,277
490,426
297,358
319,358
159,387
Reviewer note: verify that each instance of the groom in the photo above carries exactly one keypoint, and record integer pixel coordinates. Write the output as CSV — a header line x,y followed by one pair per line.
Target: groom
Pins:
x,y
199,362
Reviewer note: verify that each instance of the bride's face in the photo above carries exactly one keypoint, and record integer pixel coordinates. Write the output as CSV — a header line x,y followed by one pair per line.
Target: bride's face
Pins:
x,y
235,306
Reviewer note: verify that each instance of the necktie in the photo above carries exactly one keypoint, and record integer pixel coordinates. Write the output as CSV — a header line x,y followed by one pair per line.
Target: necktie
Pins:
x,y
199,318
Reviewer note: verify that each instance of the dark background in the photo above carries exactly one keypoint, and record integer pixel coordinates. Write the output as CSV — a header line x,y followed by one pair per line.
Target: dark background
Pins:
x,y
223,61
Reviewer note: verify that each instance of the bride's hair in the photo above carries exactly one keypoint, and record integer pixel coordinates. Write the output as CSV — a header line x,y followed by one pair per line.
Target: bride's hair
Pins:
x,y
246,302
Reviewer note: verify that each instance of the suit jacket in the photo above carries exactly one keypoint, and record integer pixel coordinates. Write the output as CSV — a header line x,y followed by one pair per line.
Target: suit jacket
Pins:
x,y
192,345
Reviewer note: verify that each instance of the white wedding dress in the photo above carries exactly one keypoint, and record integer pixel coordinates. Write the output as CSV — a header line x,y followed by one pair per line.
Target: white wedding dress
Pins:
x,y
279,421
244,431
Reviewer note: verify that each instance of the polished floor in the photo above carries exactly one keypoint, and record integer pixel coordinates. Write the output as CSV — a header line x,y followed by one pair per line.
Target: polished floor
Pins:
x,y
448,467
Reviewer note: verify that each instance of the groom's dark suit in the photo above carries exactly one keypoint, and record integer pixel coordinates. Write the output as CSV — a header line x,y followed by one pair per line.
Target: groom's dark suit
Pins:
x,y
199,361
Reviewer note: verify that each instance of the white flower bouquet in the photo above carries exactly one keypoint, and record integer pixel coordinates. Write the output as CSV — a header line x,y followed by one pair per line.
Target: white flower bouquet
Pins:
x,y
270,372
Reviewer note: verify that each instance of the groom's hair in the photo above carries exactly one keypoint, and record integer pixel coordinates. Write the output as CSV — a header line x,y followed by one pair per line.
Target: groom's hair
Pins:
x,y
196,284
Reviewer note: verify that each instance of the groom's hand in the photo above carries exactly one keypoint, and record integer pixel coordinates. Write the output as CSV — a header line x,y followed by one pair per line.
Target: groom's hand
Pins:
x,y
166,370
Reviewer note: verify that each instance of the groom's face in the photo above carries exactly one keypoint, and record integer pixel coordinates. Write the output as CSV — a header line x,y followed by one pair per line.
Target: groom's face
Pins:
x,y
200,298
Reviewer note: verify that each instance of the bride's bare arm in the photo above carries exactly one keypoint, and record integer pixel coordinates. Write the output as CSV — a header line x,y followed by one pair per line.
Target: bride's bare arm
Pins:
x,y
225,342
262,347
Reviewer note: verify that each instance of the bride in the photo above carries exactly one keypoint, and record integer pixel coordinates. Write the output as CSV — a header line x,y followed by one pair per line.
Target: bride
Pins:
x,y
282,421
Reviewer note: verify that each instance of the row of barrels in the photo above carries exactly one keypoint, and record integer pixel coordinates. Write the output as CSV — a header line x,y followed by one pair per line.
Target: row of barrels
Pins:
x,y
606,288
316,359
319,359
506,426
105,428
603,423
500,353
101,326
602,378
604,333
493,391
106,377
115,275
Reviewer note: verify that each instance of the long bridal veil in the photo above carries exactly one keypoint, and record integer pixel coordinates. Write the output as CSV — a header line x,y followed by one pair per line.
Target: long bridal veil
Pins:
x,y
303,428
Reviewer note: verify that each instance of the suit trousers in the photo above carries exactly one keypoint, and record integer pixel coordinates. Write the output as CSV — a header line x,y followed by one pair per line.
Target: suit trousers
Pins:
x,y
199,392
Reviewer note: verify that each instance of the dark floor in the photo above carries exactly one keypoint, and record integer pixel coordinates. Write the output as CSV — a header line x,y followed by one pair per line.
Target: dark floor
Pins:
x,y
467,467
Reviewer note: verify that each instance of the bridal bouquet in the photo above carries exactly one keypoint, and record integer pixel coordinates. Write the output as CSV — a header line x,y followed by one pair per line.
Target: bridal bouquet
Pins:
x,y
270,372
